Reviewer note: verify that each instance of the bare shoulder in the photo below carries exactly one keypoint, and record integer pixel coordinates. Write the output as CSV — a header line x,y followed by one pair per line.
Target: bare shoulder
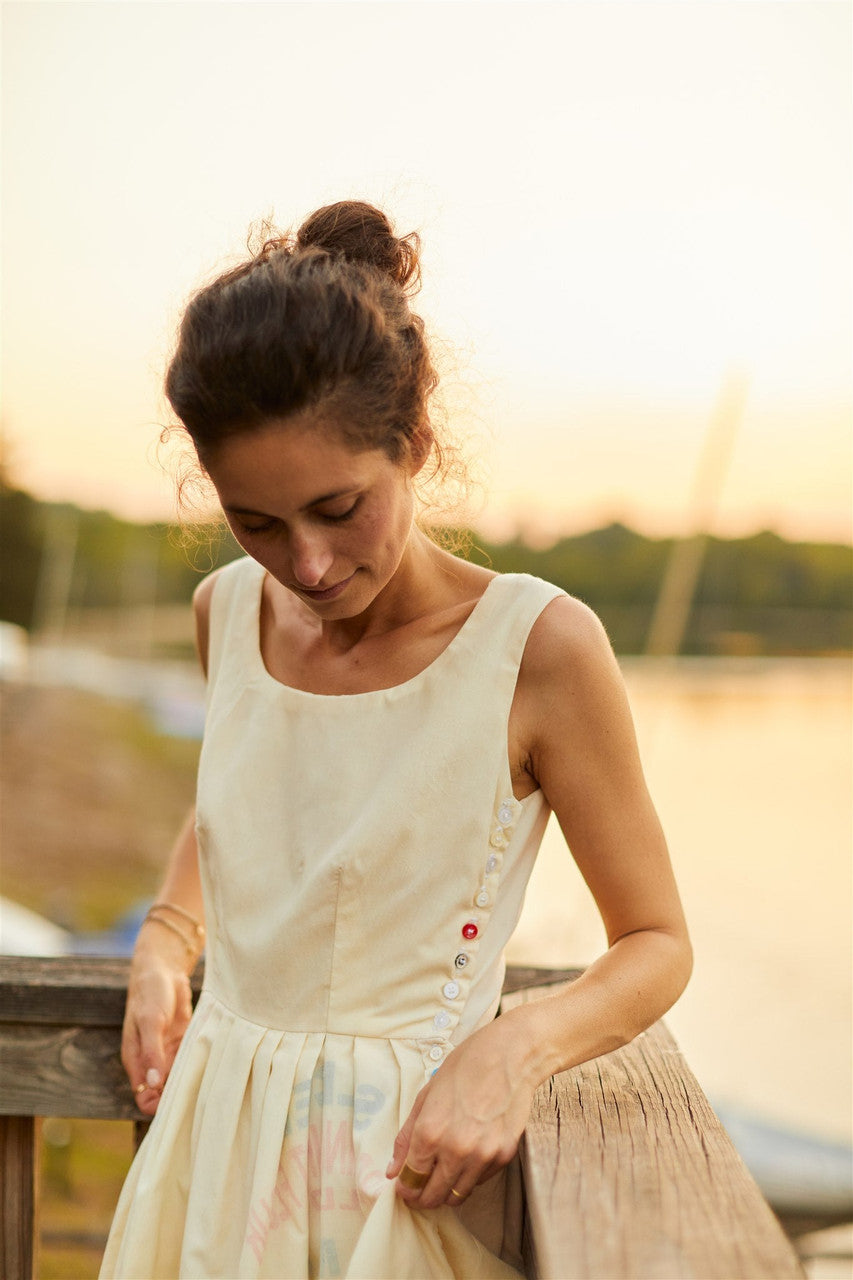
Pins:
x,y
202,597
570,694
567,644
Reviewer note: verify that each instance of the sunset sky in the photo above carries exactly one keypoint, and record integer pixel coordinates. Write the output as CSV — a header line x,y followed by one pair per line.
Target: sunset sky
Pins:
x,y
620,203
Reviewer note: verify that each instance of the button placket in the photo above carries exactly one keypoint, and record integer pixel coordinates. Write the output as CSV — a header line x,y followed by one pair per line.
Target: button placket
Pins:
x,y
499,839
501,831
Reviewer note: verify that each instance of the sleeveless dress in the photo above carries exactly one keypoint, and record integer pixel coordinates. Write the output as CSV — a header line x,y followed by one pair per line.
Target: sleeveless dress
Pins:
x,y
363,863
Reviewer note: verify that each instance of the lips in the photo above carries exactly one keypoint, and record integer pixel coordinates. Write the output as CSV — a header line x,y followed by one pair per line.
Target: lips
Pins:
x,y
328,593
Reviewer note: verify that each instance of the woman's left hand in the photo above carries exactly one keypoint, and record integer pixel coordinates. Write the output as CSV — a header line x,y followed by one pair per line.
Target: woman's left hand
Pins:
x,y
467,1120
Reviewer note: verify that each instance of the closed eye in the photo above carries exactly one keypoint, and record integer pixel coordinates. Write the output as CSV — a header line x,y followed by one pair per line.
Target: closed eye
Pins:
x,y
272,522
255,528
338,516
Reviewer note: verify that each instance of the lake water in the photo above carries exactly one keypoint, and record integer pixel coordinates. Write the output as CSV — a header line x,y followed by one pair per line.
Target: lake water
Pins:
x,y
749,762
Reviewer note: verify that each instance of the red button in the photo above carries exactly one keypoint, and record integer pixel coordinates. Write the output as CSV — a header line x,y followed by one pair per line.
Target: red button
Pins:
x,y
469,930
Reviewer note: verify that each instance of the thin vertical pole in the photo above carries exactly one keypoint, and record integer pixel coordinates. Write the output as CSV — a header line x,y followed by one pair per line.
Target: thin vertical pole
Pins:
x,y
19,1162
681,576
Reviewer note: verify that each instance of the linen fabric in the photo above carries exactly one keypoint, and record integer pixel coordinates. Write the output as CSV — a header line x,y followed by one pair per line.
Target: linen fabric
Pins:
x,y
363,863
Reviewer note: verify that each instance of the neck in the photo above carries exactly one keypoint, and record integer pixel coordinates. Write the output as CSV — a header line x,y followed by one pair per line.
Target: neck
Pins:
x,y
421,583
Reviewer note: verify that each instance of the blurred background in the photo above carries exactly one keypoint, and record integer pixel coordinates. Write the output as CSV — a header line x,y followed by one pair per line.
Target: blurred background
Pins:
x,y
636,223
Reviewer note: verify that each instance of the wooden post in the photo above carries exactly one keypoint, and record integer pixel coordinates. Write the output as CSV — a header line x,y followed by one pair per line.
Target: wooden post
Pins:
x,y
19,1160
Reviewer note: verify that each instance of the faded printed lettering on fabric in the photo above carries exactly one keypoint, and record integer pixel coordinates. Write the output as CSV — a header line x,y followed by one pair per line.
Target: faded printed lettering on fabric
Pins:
x,y
320,1173
329,1264
319,1091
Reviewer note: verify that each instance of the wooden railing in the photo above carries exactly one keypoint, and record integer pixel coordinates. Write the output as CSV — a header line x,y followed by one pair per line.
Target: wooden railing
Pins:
x,y
628,1175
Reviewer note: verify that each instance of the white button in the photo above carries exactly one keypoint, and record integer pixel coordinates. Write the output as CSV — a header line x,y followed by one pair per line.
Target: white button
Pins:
x,y
498,839
491,864
482,898
505,814
461,960
441,1019
436,1052
451,990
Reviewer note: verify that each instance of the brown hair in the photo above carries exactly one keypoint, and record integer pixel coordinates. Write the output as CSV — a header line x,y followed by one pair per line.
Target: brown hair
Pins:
x,y
316,319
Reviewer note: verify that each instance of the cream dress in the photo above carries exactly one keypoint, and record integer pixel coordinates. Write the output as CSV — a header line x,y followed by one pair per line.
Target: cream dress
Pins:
x,y
364,862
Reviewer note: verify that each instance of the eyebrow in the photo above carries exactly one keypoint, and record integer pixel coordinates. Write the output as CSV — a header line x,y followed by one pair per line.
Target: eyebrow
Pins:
x,y
315,502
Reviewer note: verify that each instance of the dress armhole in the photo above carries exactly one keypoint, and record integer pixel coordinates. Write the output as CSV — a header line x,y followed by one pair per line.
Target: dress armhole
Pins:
x,y
225,590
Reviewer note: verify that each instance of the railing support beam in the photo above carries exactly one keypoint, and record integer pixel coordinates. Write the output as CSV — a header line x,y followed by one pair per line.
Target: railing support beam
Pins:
x,y
19,1159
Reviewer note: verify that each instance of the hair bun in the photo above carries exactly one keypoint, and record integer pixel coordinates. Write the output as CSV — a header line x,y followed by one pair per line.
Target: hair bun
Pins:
x,y
360,232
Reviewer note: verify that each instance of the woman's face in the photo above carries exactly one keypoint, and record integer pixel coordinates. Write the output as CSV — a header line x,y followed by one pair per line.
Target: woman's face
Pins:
x,y
330,524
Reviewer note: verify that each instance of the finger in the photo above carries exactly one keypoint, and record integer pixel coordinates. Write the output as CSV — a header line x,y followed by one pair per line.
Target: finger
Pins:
x,y
147,1099
145,1062
152,1045
442,1182
147,1084
418,1171
470,1176
460,1191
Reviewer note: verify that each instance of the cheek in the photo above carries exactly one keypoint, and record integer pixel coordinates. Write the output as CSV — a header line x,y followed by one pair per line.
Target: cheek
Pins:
x,y
388,525
396,530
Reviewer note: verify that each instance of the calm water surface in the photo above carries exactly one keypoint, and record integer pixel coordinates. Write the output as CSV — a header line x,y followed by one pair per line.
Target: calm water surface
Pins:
x,y
749,762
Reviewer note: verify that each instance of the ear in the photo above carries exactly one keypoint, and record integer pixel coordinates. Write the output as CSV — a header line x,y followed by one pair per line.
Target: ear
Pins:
x,y
420,446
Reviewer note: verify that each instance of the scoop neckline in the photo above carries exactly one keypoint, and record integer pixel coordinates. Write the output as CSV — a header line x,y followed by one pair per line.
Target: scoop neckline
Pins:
x,y
439,658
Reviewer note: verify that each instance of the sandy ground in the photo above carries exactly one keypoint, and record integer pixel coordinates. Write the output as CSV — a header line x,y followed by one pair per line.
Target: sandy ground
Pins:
x,y
91,800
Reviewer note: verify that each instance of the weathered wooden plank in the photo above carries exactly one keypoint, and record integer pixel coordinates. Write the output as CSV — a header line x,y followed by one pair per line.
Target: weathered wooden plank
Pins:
x,y
63,1071
518,976
88,990
19,1149
91,990
629,1175
60,1026
85,990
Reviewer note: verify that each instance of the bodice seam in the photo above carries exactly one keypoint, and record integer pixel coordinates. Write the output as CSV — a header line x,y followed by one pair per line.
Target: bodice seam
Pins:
x,y
416,1041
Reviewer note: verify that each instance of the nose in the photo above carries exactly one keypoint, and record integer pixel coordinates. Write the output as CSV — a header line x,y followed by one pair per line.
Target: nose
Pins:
x,y
310,558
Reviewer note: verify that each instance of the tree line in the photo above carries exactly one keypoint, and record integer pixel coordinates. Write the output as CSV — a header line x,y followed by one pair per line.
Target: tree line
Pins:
x,y
759,594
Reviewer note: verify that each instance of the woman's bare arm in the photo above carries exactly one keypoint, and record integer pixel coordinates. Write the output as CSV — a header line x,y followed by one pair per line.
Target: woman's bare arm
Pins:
x,y
583,753
159,1001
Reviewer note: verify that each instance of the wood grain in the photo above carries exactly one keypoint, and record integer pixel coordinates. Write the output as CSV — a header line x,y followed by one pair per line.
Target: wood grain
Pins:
x,y
19,1196
83,990
629,1175
63,1071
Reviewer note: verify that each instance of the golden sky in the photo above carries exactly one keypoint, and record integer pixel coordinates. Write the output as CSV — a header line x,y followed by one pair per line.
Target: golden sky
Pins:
x,y
620,202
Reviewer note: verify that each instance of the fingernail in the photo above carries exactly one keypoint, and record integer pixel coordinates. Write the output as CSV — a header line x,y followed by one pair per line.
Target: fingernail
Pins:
x,y
390,1167
152,1078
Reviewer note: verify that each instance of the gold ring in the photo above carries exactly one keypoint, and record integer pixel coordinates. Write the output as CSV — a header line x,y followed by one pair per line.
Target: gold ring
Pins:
x,y
414,1178
456,1193
140,1088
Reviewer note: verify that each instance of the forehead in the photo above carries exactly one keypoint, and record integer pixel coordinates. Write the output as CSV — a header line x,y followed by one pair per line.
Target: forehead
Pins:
x,y
290,465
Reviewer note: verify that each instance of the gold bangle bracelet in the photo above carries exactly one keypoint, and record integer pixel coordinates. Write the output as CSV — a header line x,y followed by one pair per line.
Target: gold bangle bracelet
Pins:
x,y
173,906
192,947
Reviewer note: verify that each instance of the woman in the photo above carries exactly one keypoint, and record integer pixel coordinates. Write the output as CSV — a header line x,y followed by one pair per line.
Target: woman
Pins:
x,y
388,727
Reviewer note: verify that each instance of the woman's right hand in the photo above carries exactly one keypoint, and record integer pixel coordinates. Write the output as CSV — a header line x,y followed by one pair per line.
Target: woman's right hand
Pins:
x,y
159,996
159,1005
